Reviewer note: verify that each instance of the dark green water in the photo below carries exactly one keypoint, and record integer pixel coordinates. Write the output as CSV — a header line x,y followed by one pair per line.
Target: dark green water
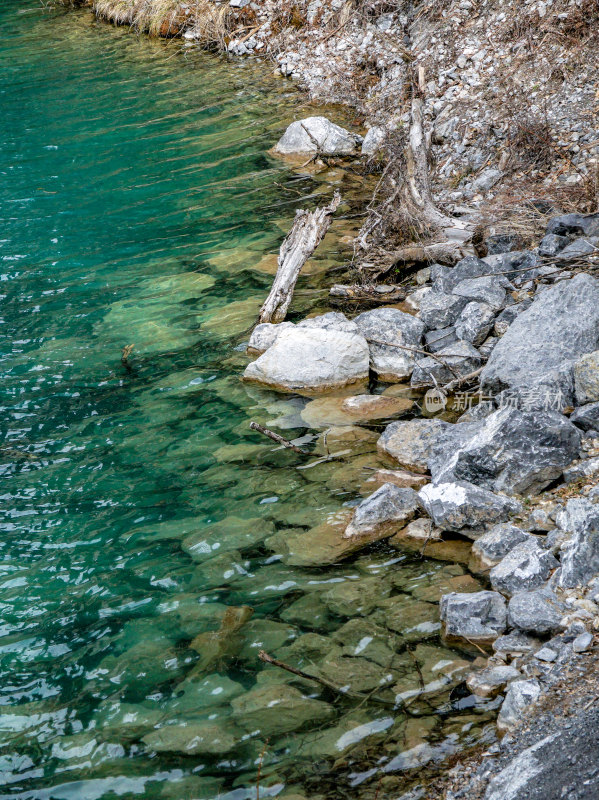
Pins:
x,y
138,206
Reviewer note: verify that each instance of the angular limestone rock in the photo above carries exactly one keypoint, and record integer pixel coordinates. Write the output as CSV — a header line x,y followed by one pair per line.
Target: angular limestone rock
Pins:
x,y
489,682
412,443
579,555
464,507
561,325
586,378
479,617
492,546
538,612
383,513
521,695
523,569
453,361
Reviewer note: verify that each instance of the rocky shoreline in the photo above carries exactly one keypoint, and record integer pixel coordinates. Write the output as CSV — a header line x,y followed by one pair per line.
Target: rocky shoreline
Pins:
x,y
505,342
515,474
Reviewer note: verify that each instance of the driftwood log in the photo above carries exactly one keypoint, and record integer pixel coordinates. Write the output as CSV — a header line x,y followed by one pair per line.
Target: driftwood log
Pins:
x,y
359,294
302,240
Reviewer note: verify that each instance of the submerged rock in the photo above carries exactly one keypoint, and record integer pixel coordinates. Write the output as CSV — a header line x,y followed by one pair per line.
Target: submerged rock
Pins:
x,y
388,331
400,477
193,738
350,410
278,709
317,135
479,617
464,507
308,360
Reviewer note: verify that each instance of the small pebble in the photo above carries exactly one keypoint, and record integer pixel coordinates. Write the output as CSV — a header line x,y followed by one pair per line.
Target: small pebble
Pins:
x,y
582,642
546,654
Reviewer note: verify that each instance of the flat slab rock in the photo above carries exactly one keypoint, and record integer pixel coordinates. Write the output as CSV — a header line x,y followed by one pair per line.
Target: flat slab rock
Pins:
x,y
464,507
561,325
308,360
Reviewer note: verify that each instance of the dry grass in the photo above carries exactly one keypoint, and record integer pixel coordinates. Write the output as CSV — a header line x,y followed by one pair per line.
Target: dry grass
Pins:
x,y
212,22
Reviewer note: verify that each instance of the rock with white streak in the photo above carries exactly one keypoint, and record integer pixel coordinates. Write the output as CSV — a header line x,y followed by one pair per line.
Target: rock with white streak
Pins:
x,y
580,554
538,612
489,682
520,696
464,507
526,567
490,548
310,360
475,322
438,310
383,513
478,617
586,378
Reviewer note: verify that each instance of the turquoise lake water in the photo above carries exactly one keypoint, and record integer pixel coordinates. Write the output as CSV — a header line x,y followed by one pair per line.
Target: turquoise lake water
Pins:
x,y
141,565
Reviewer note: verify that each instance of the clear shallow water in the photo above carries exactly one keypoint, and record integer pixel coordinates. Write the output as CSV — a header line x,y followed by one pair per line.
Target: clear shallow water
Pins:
x,y
138,206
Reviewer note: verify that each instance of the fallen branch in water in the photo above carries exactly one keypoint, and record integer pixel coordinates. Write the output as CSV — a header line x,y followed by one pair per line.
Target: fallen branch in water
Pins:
x,y
278,439
263,656
302,240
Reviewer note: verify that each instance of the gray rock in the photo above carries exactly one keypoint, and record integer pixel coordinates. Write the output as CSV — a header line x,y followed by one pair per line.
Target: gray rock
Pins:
x,y
551,244
464,507
317,134
468,268
553,391
519,697
373,140
480,616
582,642
523,569
578,249
513,451
475,322
413,443
451,362
588,468
515,644
540,519
490,548
502,243
310,360
440,339
438,310
488,290
384,328
265,335
515,266
586,378
580,554
331,321
487,179
489,682
441,278
538,612
561,325
574,225
546,654
487,346
506,317
384,512
586,417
